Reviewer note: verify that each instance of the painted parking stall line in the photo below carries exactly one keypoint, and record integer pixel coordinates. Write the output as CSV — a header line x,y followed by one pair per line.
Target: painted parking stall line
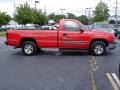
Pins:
x,y
93,69
114,81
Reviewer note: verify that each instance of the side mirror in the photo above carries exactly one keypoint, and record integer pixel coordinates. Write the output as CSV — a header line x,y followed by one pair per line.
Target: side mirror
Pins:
x,y
82,30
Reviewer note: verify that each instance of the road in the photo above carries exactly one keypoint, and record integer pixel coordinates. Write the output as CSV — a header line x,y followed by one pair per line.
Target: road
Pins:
x,y
51,70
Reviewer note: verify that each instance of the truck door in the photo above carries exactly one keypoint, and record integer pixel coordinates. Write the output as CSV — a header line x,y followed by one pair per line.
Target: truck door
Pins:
x,y
71,36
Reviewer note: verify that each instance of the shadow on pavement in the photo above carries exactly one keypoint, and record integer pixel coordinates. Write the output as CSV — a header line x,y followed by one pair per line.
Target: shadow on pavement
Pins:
x,y
55,53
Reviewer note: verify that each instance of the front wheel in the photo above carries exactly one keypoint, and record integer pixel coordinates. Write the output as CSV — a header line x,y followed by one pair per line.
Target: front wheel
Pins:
x,y
98,48
29,48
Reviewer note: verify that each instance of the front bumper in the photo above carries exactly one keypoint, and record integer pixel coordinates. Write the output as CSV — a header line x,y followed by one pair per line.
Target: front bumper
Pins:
x,y
112,45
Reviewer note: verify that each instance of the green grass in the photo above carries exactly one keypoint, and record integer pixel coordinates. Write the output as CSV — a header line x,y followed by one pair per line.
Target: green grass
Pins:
x,y
2,34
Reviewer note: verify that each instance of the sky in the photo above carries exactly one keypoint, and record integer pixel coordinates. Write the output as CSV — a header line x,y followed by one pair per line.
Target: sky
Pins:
x,y
53,6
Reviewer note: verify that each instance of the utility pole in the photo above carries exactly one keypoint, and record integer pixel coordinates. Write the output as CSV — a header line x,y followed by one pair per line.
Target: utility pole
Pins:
x,y
45,10
116,9
85,12
89,11
62,10
45,13
89,15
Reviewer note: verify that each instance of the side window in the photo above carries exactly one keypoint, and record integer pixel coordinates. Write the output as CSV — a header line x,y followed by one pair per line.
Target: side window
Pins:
x,y
71,26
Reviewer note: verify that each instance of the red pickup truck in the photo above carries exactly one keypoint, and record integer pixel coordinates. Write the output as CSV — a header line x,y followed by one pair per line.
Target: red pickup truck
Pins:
x,y
70,35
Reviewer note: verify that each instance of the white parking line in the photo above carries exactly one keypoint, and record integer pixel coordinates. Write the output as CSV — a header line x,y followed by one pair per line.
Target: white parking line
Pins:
x,y
116,79
112,81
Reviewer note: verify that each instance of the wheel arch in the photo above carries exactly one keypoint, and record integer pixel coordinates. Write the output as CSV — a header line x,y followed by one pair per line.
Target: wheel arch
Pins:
x,y
27,39
97,39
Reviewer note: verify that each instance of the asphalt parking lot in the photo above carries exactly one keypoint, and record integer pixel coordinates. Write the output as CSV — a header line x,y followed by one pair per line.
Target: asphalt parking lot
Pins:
x,y
51,70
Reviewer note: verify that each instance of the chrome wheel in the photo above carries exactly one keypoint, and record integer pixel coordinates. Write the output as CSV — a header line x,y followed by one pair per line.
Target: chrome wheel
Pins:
x,y
28,48
99,49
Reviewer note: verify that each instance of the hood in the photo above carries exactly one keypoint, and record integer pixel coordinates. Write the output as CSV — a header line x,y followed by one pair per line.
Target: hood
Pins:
x,y
100,32
110,30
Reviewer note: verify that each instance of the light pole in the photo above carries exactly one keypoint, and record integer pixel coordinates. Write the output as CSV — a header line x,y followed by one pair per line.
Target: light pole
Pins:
x,y
86,12
36,3
116,11
62,10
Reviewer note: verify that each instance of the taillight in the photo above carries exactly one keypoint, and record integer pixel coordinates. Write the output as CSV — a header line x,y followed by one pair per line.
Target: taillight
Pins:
x,y
6,34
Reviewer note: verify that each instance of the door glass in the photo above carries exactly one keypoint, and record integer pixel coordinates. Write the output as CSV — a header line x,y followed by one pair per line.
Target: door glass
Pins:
x,y
71,26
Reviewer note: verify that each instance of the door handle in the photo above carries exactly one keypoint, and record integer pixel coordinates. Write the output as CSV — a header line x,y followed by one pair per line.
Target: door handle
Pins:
x,y
64,34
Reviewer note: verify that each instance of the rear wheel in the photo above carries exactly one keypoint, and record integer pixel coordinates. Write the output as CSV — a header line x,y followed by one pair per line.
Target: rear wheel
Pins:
x,y
29,48
98,48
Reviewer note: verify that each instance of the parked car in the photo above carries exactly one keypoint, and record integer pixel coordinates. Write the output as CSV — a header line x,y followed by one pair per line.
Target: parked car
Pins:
x,y
116,27
88,26
3,28
49,27
70,35
56,25
103,27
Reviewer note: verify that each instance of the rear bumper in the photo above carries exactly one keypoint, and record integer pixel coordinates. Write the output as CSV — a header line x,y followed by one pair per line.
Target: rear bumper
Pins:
x,y
112,45
6,43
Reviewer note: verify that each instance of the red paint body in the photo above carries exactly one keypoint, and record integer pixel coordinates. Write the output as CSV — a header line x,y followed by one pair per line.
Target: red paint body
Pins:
x,y
58,38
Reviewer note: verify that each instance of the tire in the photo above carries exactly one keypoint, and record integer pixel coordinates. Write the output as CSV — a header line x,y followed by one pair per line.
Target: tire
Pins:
x,y
29,48
98,48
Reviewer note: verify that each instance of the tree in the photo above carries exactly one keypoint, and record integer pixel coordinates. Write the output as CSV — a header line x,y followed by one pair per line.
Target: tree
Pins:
x,y
51,16
71,16
25,14
101,12
58,17
4,18
83,19
37,17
